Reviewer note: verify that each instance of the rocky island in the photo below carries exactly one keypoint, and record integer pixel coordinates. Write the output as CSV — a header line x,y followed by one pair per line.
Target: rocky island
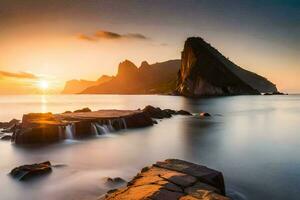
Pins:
x,y
202,71
206,72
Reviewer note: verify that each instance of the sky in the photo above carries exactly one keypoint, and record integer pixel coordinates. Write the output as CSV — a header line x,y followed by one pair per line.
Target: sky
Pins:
x,y
59,40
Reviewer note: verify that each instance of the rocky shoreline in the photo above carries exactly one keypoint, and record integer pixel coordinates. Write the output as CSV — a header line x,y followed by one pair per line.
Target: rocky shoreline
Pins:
x,y
170,180
43,128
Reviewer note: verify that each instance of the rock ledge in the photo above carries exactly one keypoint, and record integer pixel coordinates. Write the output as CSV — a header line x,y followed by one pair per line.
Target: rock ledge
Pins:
x,y
173,179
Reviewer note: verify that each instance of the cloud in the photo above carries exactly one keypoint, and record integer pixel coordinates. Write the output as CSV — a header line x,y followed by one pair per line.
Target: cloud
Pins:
x,y
86,37
20,75
98,35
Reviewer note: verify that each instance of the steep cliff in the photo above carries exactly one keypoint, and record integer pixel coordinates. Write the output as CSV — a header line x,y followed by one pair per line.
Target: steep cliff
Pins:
x,y
203,73
146,79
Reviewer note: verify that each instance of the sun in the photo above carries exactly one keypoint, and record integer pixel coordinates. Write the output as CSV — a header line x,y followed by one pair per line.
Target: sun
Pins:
x,y
43,84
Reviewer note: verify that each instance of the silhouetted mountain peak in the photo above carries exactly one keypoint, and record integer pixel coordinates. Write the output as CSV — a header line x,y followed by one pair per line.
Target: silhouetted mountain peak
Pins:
x,y
127,68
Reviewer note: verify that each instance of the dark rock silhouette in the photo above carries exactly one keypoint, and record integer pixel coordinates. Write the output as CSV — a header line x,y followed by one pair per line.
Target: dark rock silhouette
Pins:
x,y
173,179
26,172
202,73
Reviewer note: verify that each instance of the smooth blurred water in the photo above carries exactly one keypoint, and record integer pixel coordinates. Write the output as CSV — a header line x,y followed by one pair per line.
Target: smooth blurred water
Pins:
x,y
253,140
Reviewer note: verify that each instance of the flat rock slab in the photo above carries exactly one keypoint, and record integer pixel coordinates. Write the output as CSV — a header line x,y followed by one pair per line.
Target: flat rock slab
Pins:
x,y
100,114
26,172
173,179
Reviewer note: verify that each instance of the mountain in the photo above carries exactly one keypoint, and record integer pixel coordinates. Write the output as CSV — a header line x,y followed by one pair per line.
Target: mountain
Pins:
x,y
256,81
146,79
77,86
205,72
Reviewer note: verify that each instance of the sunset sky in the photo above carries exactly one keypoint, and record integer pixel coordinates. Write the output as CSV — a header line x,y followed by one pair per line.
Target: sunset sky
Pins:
x,y
58,40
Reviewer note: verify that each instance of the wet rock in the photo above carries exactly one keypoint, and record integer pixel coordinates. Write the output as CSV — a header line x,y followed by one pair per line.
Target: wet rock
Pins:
x,y
37,128
170,111
173,179
10,124
26,172
204,114
183,112
156,113
115,181
6,137
83,110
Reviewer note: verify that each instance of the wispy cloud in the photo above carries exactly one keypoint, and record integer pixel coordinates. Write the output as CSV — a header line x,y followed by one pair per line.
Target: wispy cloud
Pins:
x,y
98,35
19,75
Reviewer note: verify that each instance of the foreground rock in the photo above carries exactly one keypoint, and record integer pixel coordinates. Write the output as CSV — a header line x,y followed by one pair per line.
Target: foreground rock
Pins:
x,y
26,172
173,179
40,128
204,73
10,124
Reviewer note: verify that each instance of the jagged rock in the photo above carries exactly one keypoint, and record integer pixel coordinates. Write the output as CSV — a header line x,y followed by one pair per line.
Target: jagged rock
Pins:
x,y
83,110
168,180
8,125
26,172
204,114
202,73
6,137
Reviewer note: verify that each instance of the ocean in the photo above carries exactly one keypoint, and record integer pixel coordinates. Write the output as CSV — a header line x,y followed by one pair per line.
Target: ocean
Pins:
x,y
253,140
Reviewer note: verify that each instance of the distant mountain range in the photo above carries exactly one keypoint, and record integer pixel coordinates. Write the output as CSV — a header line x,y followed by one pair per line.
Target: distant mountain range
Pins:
x,y
77,86
147,79
177,76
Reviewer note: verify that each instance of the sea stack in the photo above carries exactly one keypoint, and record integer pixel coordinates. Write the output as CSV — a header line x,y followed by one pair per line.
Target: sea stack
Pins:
x,y
203,73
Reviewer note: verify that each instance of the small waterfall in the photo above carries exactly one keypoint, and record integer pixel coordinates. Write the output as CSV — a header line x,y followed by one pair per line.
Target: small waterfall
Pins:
x,y
70,131
124,123
110,125
102,129
94,129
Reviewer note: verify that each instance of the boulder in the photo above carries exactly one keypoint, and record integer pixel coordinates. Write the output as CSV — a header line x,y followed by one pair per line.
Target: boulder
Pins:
x,y
173,179
204,114
113,182
26,172
183,112
83,110
156,113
